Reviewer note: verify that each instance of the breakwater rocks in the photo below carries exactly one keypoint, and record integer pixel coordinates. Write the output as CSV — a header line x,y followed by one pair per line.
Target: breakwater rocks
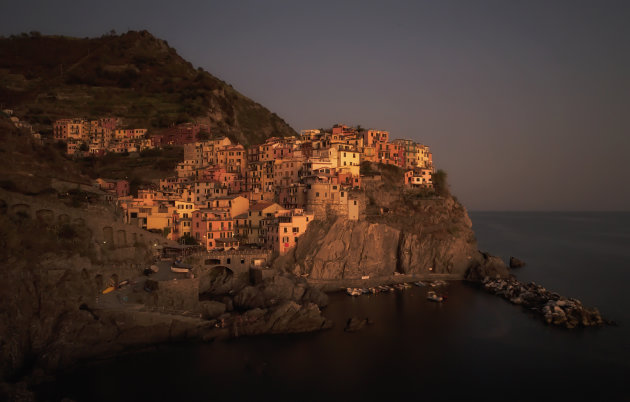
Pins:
x,y
553,308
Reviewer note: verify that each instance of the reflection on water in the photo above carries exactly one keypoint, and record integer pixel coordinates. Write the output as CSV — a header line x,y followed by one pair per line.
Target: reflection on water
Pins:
x,y
472,346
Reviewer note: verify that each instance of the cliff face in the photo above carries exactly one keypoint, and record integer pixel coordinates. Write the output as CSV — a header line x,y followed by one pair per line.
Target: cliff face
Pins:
x,y
407,232
350,249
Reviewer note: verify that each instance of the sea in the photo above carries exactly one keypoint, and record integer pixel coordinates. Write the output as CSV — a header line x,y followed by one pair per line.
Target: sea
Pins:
x,y
475,346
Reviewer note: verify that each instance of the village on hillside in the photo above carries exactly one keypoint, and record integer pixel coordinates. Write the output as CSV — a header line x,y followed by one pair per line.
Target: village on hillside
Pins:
x,y
223,196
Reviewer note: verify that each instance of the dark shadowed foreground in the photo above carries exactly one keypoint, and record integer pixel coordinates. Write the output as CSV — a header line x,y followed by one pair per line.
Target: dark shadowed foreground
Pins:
x,y
475,345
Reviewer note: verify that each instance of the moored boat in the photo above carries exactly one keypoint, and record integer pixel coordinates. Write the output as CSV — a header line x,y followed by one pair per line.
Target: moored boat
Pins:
x,y
180,270
108,290
431,295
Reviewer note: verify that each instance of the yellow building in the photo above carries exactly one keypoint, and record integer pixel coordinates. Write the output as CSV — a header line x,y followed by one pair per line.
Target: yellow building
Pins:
x,y
254,229
185,209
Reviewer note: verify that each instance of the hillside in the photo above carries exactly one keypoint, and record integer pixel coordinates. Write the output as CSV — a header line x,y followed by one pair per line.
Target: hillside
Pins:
x,y
134,76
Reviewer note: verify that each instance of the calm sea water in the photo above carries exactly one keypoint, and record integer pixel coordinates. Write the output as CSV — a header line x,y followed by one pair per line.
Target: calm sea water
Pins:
x,y
474,346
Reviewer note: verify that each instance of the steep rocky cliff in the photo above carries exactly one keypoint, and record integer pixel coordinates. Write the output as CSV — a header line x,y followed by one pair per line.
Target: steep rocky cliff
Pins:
x,y
404,231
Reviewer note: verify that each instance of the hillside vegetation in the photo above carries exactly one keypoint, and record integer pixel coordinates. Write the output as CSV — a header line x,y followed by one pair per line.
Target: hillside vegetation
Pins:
x,y
134,76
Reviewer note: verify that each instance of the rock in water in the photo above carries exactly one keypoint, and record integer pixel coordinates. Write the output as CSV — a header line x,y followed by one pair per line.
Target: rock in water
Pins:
x,y
487,266
553,308
355,324
516,263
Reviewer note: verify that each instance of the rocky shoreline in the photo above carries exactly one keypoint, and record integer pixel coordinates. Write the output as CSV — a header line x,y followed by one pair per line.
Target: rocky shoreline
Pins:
x,y
553,308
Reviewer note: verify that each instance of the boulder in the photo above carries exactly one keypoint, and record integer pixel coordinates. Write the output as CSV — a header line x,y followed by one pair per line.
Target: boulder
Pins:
x,y
355,324
486,265
211,309
279,287
249,297
314,295
516,263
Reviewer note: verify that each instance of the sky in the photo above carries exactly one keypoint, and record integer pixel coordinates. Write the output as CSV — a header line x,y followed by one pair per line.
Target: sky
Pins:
x,y
525,104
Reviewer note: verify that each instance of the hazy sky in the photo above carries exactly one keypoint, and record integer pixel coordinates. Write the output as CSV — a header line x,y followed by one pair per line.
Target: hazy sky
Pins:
x,y
526,104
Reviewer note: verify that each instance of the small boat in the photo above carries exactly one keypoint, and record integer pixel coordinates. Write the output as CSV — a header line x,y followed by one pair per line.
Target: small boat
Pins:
x,y
399,286
354,291
123,283
180,268
154,268
365,291
419,283
108,290
437,283
406,285
431,295
374,290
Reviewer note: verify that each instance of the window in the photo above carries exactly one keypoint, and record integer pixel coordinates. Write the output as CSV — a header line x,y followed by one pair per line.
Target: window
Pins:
x,y
285,230
242,261
228,261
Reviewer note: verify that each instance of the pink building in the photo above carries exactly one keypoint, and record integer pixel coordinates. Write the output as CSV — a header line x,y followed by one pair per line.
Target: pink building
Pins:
x,y
418,178
214,229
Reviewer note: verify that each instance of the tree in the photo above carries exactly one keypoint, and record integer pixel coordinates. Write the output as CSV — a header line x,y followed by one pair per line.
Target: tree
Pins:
x,y
84,147
440,183
188,240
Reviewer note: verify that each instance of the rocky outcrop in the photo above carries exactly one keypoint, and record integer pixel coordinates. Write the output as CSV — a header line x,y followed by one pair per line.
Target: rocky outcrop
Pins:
x,y
287,317
551,307
211,309
424,237
516,263
276,290
356,324
487,266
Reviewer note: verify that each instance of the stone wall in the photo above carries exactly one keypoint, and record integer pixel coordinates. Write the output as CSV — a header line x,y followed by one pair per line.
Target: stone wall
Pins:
x,y
104,227
237,261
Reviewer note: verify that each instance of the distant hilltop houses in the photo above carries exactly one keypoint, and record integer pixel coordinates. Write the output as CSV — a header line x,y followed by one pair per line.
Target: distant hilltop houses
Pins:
x,y
98,137
223,196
